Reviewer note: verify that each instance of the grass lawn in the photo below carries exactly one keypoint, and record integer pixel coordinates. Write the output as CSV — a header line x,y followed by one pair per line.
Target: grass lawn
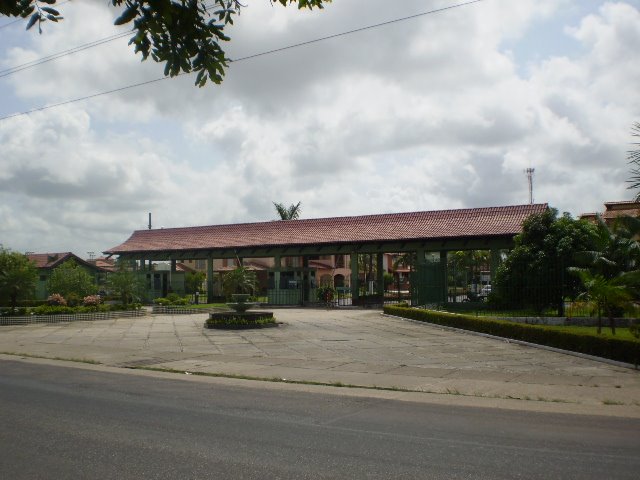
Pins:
x,y
621,333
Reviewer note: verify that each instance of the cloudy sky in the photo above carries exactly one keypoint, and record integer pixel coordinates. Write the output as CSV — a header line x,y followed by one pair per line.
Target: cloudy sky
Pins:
x,y
442,111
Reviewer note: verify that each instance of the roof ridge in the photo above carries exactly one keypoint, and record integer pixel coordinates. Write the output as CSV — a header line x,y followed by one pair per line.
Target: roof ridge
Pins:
x,y
348,217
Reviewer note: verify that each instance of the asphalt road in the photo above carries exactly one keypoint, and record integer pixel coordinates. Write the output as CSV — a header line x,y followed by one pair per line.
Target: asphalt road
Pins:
x,y
60,423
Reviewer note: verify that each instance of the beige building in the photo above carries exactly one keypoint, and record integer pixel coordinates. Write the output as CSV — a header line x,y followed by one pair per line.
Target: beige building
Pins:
x,y
614,210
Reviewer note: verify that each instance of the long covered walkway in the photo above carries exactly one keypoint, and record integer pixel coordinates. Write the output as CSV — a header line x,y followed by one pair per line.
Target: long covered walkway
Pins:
x,y
425,236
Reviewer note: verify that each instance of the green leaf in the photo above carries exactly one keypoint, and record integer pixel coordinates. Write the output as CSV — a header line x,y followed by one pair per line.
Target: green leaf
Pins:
x,y
50,10
32,21
128,15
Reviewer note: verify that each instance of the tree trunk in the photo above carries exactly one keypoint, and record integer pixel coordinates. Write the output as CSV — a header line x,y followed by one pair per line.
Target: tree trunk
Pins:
x,y
612,320
14,299
612,324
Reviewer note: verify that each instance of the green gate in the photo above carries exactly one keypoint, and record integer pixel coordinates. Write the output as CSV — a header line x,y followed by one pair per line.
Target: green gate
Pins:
x,y
428,283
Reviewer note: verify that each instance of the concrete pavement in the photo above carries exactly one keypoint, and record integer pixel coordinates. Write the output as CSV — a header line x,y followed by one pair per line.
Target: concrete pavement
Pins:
x,y
349,347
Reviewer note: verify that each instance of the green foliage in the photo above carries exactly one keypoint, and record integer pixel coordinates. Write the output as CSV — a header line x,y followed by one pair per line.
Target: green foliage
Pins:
x,y
18,277
292,212
72,282
387,279
611,274
8,312
68,310
238,321
184,35
54,310
172,299
193,281
127,285
535,272
612,348
634,329
326,293
240,280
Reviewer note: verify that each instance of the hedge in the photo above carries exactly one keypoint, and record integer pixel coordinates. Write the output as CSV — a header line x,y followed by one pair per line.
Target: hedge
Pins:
x,y
627,351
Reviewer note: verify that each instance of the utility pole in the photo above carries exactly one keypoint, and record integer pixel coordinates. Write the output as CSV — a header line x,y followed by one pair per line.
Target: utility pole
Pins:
x,y
149,220
529,172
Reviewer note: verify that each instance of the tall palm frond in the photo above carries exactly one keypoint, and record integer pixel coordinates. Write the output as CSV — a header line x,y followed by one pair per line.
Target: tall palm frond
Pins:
x,y
634,159
288,213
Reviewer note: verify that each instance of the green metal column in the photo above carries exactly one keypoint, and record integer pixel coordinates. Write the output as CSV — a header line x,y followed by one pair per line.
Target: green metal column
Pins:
x,y
380,275
355,283
417,279
495,263
305,280
276,274
209,279
445,276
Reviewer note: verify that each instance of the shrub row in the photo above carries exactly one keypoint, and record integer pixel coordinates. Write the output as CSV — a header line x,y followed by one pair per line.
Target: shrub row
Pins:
x,y
66,310
612,348
172,299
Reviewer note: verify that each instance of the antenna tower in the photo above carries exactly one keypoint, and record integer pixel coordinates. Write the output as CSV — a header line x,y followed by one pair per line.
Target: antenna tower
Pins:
x,y
529,172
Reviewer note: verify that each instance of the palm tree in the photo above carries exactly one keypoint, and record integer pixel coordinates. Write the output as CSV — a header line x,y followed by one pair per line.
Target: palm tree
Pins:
x,y
634,158
290,213
609,294
240,280
611,275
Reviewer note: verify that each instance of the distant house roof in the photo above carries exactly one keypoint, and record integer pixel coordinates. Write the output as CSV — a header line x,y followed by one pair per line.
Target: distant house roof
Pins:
x,y
439,224
53,260
617,209
614,210
181,267
104,263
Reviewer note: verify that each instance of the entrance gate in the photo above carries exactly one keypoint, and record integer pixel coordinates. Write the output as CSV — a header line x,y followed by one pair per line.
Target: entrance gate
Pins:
x,y
428,283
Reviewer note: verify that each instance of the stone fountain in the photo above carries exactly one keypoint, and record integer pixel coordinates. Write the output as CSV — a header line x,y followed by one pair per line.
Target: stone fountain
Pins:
x,y
239,316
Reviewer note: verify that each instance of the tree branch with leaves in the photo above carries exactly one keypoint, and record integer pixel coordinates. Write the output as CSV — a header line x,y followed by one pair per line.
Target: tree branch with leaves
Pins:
x,y
185,35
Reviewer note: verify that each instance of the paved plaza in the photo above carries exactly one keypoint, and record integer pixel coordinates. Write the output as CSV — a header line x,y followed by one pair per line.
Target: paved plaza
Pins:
x,y
347,346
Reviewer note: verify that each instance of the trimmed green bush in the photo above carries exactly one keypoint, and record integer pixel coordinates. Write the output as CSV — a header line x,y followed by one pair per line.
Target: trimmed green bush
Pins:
x,y
612,348
172,299
66,310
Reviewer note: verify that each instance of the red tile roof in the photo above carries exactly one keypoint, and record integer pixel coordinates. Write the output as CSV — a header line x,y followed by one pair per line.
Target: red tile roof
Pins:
x,y
440,224
53,260
50,260
104,263
614,210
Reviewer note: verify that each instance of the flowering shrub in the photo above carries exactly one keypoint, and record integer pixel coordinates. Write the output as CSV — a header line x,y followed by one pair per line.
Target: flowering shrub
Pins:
x,y
56,299
92,300
326,293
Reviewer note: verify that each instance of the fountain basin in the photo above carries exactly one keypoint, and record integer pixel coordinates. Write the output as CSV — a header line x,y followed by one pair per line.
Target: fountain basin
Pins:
x,y
240,320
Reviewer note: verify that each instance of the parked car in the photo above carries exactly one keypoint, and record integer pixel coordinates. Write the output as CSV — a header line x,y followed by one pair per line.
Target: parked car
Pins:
x,y
485,291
